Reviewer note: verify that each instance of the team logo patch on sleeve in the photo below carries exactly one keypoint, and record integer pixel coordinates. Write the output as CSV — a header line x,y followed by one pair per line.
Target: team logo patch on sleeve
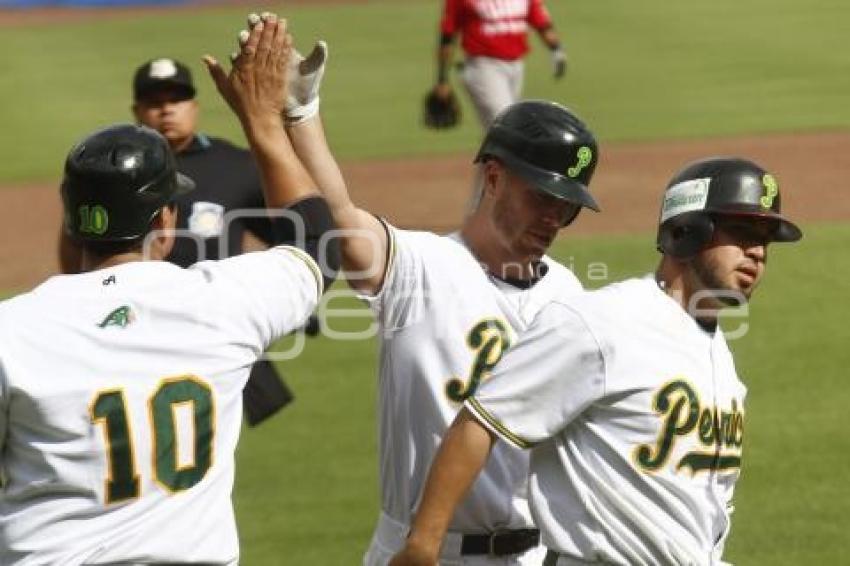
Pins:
x,y
121,317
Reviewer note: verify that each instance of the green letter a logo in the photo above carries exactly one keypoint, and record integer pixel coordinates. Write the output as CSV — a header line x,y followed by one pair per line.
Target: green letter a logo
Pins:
x,y
121,317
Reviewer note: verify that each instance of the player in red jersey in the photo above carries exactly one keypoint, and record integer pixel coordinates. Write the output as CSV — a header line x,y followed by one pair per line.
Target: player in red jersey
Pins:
x,y
494,38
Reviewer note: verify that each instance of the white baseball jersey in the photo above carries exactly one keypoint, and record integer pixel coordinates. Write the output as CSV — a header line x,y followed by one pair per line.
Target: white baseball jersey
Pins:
x,y
444,324
120,406
635,415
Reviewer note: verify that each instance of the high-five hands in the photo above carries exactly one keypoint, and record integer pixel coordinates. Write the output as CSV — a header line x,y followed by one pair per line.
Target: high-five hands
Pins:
x,y
256,86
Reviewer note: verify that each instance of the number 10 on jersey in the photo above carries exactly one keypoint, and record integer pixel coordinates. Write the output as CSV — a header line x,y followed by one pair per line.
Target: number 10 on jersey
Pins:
x,y
109,410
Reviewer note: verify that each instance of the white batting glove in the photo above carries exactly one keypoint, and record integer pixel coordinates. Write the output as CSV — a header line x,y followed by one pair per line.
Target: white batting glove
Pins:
x,y
559,62
304,79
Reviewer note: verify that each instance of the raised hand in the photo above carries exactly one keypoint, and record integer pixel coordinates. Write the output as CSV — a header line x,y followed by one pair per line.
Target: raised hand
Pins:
x,y
304,78
256,87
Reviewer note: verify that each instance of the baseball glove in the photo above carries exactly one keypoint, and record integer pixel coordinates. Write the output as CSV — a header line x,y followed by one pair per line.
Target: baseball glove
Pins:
x,y
441,112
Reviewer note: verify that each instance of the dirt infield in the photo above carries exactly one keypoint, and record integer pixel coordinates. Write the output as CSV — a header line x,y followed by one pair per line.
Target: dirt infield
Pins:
x,y
431,193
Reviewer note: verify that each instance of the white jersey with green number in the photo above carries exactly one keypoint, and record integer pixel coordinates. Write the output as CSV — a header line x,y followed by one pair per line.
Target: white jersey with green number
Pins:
x,y
635,417
120,406
444,324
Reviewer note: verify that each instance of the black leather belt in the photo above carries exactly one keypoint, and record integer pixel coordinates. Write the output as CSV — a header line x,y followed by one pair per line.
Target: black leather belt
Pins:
x,y
502,543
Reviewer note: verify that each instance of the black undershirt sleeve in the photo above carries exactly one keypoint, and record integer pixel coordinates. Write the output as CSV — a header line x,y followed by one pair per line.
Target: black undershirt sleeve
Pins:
x,y
317,221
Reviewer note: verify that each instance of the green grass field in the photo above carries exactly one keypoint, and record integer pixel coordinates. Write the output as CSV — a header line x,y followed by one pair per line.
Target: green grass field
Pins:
x,y
306,488
307,481
639,70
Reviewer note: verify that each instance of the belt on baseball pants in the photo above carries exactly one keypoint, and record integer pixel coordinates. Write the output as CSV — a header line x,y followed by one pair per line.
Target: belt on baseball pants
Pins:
x,y
555,559
500,543
391,534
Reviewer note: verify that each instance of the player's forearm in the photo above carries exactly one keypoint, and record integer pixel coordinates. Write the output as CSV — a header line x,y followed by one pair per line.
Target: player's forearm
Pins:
x,y
285,179
311,146
445,52
364,241
462,454
550,37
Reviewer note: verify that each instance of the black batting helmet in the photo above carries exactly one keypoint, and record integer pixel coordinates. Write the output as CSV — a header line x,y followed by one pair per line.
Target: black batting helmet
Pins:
x,y
116,180
718,186
548,146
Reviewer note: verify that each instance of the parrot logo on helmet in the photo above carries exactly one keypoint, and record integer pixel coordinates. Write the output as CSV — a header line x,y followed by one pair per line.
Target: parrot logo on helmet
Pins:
x,y
585,156
771,190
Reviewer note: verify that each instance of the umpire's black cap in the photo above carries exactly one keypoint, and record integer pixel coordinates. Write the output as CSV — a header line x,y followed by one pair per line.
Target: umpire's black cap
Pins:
x,y
159,74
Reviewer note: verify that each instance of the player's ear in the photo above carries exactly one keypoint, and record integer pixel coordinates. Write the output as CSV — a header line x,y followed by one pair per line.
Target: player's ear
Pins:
x,y
163,230
493,173
168,216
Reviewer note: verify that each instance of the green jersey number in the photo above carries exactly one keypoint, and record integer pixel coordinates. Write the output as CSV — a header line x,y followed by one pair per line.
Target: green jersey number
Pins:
x,y
109,409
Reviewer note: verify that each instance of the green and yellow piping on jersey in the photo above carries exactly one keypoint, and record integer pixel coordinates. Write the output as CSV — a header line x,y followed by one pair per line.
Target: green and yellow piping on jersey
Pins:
x,y
479,411
121,317
311,263
389,261
682,413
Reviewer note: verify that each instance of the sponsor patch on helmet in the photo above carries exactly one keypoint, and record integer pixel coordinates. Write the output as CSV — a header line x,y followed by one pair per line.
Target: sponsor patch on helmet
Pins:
x,y
686,196
207,219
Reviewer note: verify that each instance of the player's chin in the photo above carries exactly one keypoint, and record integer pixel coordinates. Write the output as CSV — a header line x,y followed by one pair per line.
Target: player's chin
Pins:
x,y
536,246
746,282
736,293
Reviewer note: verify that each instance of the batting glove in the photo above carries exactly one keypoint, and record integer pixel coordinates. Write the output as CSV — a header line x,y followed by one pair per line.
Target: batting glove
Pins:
x,y
305,77
559,62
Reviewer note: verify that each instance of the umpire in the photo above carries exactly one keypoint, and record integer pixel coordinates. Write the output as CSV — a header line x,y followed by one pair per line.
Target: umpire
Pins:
x,y
226,181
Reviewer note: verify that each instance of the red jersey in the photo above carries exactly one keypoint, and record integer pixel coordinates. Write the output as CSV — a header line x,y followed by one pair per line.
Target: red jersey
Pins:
x,y
494,28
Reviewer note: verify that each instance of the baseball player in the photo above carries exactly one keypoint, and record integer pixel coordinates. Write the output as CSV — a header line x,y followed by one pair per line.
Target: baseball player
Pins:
x,y
210,221
120,387
494,40
628,396
450,306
